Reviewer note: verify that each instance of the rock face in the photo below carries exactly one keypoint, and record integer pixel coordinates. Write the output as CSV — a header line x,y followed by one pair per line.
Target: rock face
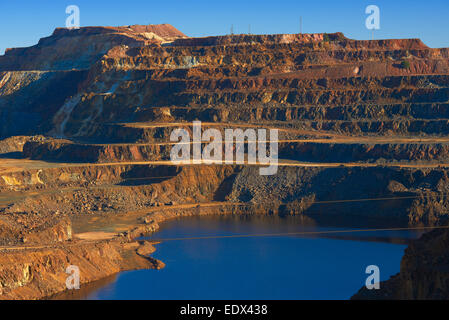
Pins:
x,y
86,117
36,81
37,273
424,272
68,49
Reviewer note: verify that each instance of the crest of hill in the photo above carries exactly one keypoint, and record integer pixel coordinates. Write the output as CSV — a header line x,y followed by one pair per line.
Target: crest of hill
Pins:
x,y
304,38
68,49
165,31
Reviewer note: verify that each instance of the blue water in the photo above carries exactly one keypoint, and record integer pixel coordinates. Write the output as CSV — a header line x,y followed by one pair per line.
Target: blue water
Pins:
x,y
273,267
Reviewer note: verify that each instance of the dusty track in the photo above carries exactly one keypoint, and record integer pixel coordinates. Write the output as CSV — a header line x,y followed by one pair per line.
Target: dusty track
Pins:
x,y
15,165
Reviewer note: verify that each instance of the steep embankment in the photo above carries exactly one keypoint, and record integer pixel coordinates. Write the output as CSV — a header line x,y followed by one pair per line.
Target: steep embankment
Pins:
x,y
37,272
424,272
362,132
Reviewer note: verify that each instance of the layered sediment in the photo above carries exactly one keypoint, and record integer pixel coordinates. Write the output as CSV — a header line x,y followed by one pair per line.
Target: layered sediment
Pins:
x,y
424,272
37,272
87,116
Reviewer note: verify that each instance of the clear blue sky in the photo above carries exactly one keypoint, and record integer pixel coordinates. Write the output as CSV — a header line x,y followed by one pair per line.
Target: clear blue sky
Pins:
x,y
23,22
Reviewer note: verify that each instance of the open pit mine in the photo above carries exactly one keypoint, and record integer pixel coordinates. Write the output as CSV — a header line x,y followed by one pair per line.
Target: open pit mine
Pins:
x,y
85,123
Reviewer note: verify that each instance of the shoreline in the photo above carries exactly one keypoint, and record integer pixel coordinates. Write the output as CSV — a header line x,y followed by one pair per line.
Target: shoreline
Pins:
x,y
151,223
97,254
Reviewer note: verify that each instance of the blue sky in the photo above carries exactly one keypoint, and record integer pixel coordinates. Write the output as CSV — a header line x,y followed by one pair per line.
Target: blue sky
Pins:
x,y
23,22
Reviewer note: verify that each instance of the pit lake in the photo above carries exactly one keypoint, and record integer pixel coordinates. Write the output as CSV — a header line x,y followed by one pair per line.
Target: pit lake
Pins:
x,y
250,257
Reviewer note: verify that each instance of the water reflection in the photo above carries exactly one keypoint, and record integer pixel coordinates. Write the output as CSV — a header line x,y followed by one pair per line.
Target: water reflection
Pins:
x,y
349,228
306,266
86,289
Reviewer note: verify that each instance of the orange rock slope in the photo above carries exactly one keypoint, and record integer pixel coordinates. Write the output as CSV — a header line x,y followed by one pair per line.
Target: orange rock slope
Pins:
x,y
86,117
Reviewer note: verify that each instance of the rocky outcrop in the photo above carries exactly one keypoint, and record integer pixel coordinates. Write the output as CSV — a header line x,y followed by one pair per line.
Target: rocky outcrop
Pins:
x,y
362,132
41,272
424,273
34,228
68,49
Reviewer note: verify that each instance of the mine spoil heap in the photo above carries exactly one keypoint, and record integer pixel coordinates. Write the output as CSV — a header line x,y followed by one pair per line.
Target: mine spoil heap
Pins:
x,y
86,117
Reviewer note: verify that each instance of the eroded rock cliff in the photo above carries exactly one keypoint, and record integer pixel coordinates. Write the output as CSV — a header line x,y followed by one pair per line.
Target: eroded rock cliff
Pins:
x,y
87,115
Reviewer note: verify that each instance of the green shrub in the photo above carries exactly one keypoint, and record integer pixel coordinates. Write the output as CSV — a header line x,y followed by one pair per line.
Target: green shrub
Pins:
x,y
405,64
